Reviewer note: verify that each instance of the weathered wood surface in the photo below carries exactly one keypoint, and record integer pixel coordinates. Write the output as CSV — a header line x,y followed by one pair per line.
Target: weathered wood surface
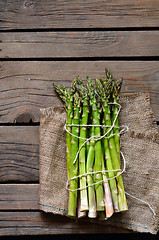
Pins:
x,y
79,44
78,14
19,197
27,86
24,197
62,29
19,152
36,223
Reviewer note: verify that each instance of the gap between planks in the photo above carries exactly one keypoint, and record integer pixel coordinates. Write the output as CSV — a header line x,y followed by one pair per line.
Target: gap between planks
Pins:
x,y
84,29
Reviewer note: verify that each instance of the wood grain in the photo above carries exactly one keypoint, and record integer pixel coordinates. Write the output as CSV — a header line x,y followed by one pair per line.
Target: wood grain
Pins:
x,y
19,197
37,223
79,44
25,197
78,14
19,152
27,86
62,29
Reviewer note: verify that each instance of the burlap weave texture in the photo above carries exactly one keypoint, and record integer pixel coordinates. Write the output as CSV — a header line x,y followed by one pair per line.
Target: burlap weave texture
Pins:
x,y
140,146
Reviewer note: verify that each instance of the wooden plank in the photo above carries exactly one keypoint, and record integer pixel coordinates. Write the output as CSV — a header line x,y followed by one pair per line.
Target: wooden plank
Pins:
x,y
19,197
19,150
36,223
25,197
26,86
78,14
79,44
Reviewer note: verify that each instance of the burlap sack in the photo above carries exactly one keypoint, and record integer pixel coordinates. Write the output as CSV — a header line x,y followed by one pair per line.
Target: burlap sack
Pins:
x,y
140,146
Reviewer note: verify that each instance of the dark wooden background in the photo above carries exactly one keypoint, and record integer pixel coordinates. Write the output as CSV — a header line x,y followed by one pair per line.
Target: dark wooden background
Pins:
x,y
42,42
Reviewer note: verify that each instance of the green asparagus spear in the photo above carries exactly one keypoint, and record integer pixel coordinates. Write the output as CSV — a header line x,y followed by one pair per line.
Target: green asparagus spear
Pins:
x,y
108,199
98,147
117,87
74,166
105,96
83,134
109,210
67,98
116,162
90,178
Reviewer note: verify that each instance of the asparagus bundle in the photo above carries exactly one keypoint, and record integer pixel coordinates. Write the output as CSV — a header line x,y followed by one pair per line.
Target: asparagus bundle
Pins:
x,y
93,147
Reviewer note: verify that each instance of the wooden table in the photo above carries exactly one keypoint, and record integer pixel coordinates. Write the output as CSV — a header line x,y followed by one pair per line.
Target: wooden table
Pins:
x,y
46,42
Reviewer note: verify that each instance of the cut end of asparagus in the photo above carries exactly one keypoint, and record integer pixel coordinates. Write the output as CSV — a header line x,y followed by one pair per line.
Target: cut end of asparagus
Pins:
x,y
116,208
92,214
71,214
84,208
84,203
124,207
109,213
82,214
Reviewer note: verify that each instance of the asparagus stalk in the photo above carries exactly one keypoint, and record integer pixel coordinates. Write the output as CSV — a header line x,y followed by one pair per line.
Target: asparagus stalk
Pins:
x,y
90,178
71,142
82,154
117,87
122,198
105,95
67,98
81,214
98,148
116,165
108,199
74,166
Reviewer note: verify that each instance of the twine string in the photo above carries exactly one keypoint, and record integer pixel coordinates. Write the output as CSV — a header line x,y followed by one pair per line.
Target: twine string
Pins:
x,y
95,172
96,138
140,200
